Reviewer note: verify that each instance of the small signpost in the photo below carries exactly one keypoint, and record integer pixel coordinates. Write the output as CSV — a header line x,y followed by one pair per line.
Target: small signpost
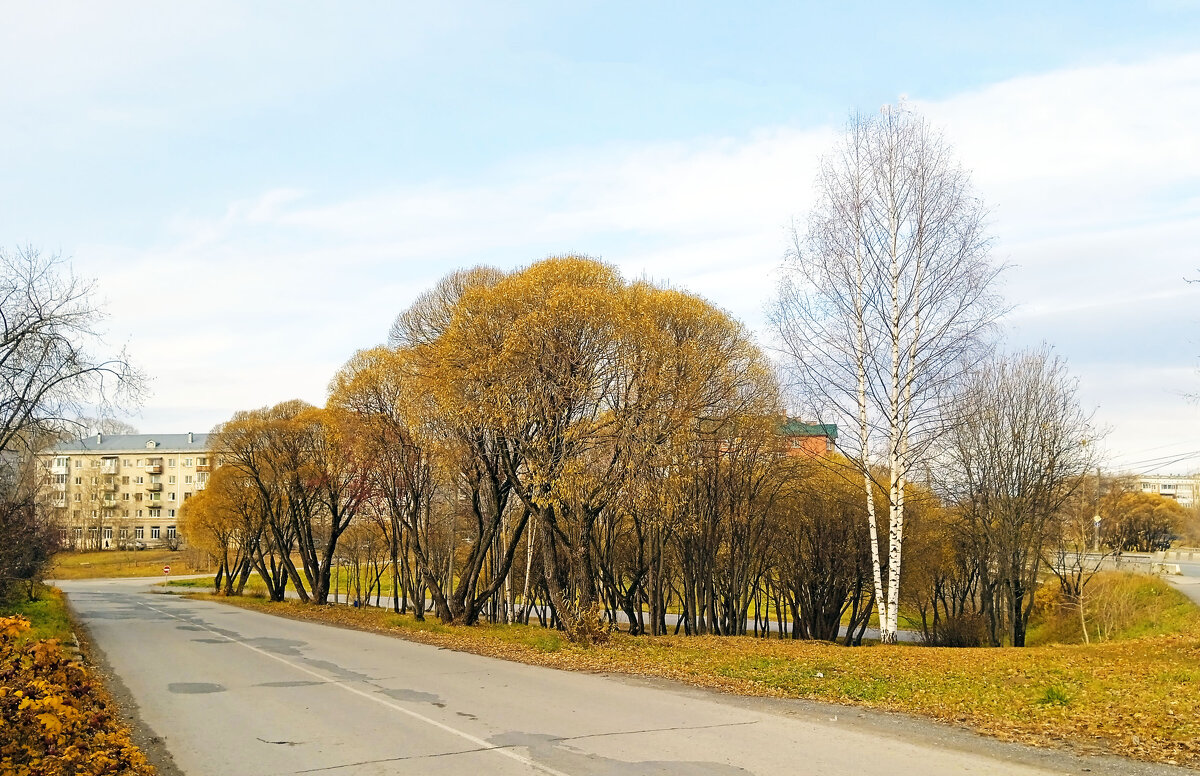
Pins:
x,y
166,569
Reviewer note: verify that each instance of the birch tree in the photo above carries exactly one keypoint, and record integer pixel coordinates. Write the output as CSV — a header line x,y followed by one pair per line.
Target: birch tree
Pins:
x,y
886,301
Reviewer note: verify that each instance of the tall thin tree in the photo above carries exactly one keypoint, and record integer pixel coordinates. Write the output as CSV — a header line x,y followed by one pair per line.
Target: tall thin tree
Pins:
x,y
886,301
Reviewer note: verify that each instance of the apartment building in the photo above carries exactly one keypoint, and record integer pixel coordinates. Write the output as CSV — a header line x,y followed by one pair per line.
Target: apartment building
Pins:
x,y
123,491
1183,488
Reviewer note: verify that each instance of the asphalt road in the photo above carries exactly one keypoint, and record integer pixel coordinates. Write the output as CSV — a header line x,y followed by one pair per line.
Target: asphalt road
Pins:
x,y
229,691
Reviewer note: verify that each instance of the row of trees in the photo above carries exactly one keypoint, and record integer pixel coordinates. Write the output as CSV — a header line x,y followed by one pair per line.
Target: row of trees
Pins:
x,y
559,440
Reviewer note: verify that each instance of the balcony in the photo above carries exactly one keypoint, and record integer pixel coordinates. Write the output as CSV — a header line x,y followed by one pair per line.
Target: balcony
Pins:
x,y
59,503
108,487
202,467
154,487
60,486
154,468
64,469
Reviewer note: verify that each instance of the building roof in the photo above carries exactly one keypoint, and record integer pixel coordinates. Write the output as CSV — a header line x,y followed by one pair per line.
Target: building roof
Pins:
x,y
133,443
798,428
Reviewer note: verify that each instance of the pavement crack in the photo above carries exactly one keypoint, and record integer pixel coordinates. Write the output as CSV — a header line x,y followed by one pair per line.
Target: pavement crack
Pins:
x,y
657,730
281,743
401,758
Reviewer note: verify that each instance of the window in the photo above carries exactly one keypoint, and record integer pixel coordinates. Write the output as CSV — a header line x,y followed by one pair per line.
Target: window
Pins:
x,y
125,462
78,533
95,463
171,480
78,496
187,494
140,480
171,463
170,513
124,496
171,496
153,532
139,532
139,513
95,480
93,497
202,461
139,462
156,478
125,513
155,496
187,461
108,532
187,479
124,533
125,480
170,532
60,479
79,480
75,513
62,460
78,463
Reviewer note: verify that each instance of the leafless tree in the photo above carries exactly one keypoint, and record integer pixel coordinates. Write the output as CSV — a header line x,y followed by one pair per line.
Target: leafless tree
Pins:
x,y
50,372
887,299
1017,453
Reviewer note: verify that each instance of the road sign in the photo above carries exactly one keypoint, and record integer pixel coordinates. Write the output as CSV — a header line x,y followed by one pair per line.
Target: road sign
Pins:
x,y
166,569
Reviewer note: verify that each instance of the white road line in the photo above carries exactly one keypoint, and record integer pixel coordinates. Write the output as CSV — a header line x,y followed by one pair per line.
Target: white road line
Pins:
x,y
479,742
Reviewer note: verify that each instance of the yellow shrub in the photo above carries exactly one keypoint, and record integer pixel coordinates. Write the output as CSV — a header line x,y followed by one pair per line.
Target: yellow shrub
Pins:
x,y
53,718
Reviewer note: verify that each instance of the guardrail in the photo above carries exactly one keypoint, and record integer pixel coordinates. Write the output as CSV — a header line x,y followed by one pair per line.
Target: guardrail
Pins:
x,y
1137,563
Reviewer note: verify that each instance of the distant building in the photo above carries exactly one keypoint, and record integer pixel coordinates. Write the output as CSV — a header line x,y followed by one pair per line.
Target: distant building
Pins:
x,y
809,438
123,491
1182,488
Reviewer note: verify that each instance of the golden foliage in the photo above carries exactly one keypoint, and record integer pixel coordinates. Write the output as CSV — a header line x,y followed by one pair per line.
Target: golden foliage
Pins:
x,y
53,718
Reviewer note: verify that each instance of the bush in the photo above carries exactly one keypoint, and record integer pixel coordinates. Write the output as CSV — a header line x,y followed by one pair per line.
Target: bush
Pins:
x,y
53,718
965,630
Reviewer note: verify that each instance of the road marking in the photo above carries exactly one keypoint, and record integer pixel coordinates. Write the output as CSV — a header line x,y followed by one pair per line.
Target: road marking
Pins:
x,y
481,743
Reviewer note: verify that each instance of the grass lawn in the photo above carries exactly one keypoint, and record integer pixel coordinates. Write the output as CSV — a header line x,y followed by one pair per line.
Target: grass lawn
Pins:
x,y
47,615
1134,697
120,563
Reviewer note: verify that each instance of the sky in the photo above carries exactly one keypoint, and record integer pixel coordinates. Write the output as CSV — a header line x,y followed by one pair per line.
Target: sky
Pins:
x,y
258,188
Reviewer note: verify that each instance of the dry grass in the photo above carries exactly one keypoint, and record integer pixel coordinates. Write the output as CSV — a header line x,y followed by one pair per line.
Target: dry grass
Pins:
x,y
123,563
1135,698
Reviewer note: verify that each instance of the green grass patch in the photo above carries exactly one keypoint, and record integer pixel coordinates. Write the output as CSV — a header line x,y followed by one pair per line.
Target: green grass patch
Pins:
x,y
1117,606
47,614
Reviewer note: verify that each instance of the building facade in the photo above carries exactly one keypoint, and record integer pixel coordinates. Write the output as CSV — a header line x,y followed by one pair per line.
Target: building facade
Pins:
x,y
1182,488
812,439
123,491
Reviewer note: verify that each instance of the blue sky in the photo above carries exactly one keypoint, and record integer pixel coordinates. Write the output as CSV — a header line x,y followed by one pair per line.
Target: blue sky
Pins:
x,y
261,187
